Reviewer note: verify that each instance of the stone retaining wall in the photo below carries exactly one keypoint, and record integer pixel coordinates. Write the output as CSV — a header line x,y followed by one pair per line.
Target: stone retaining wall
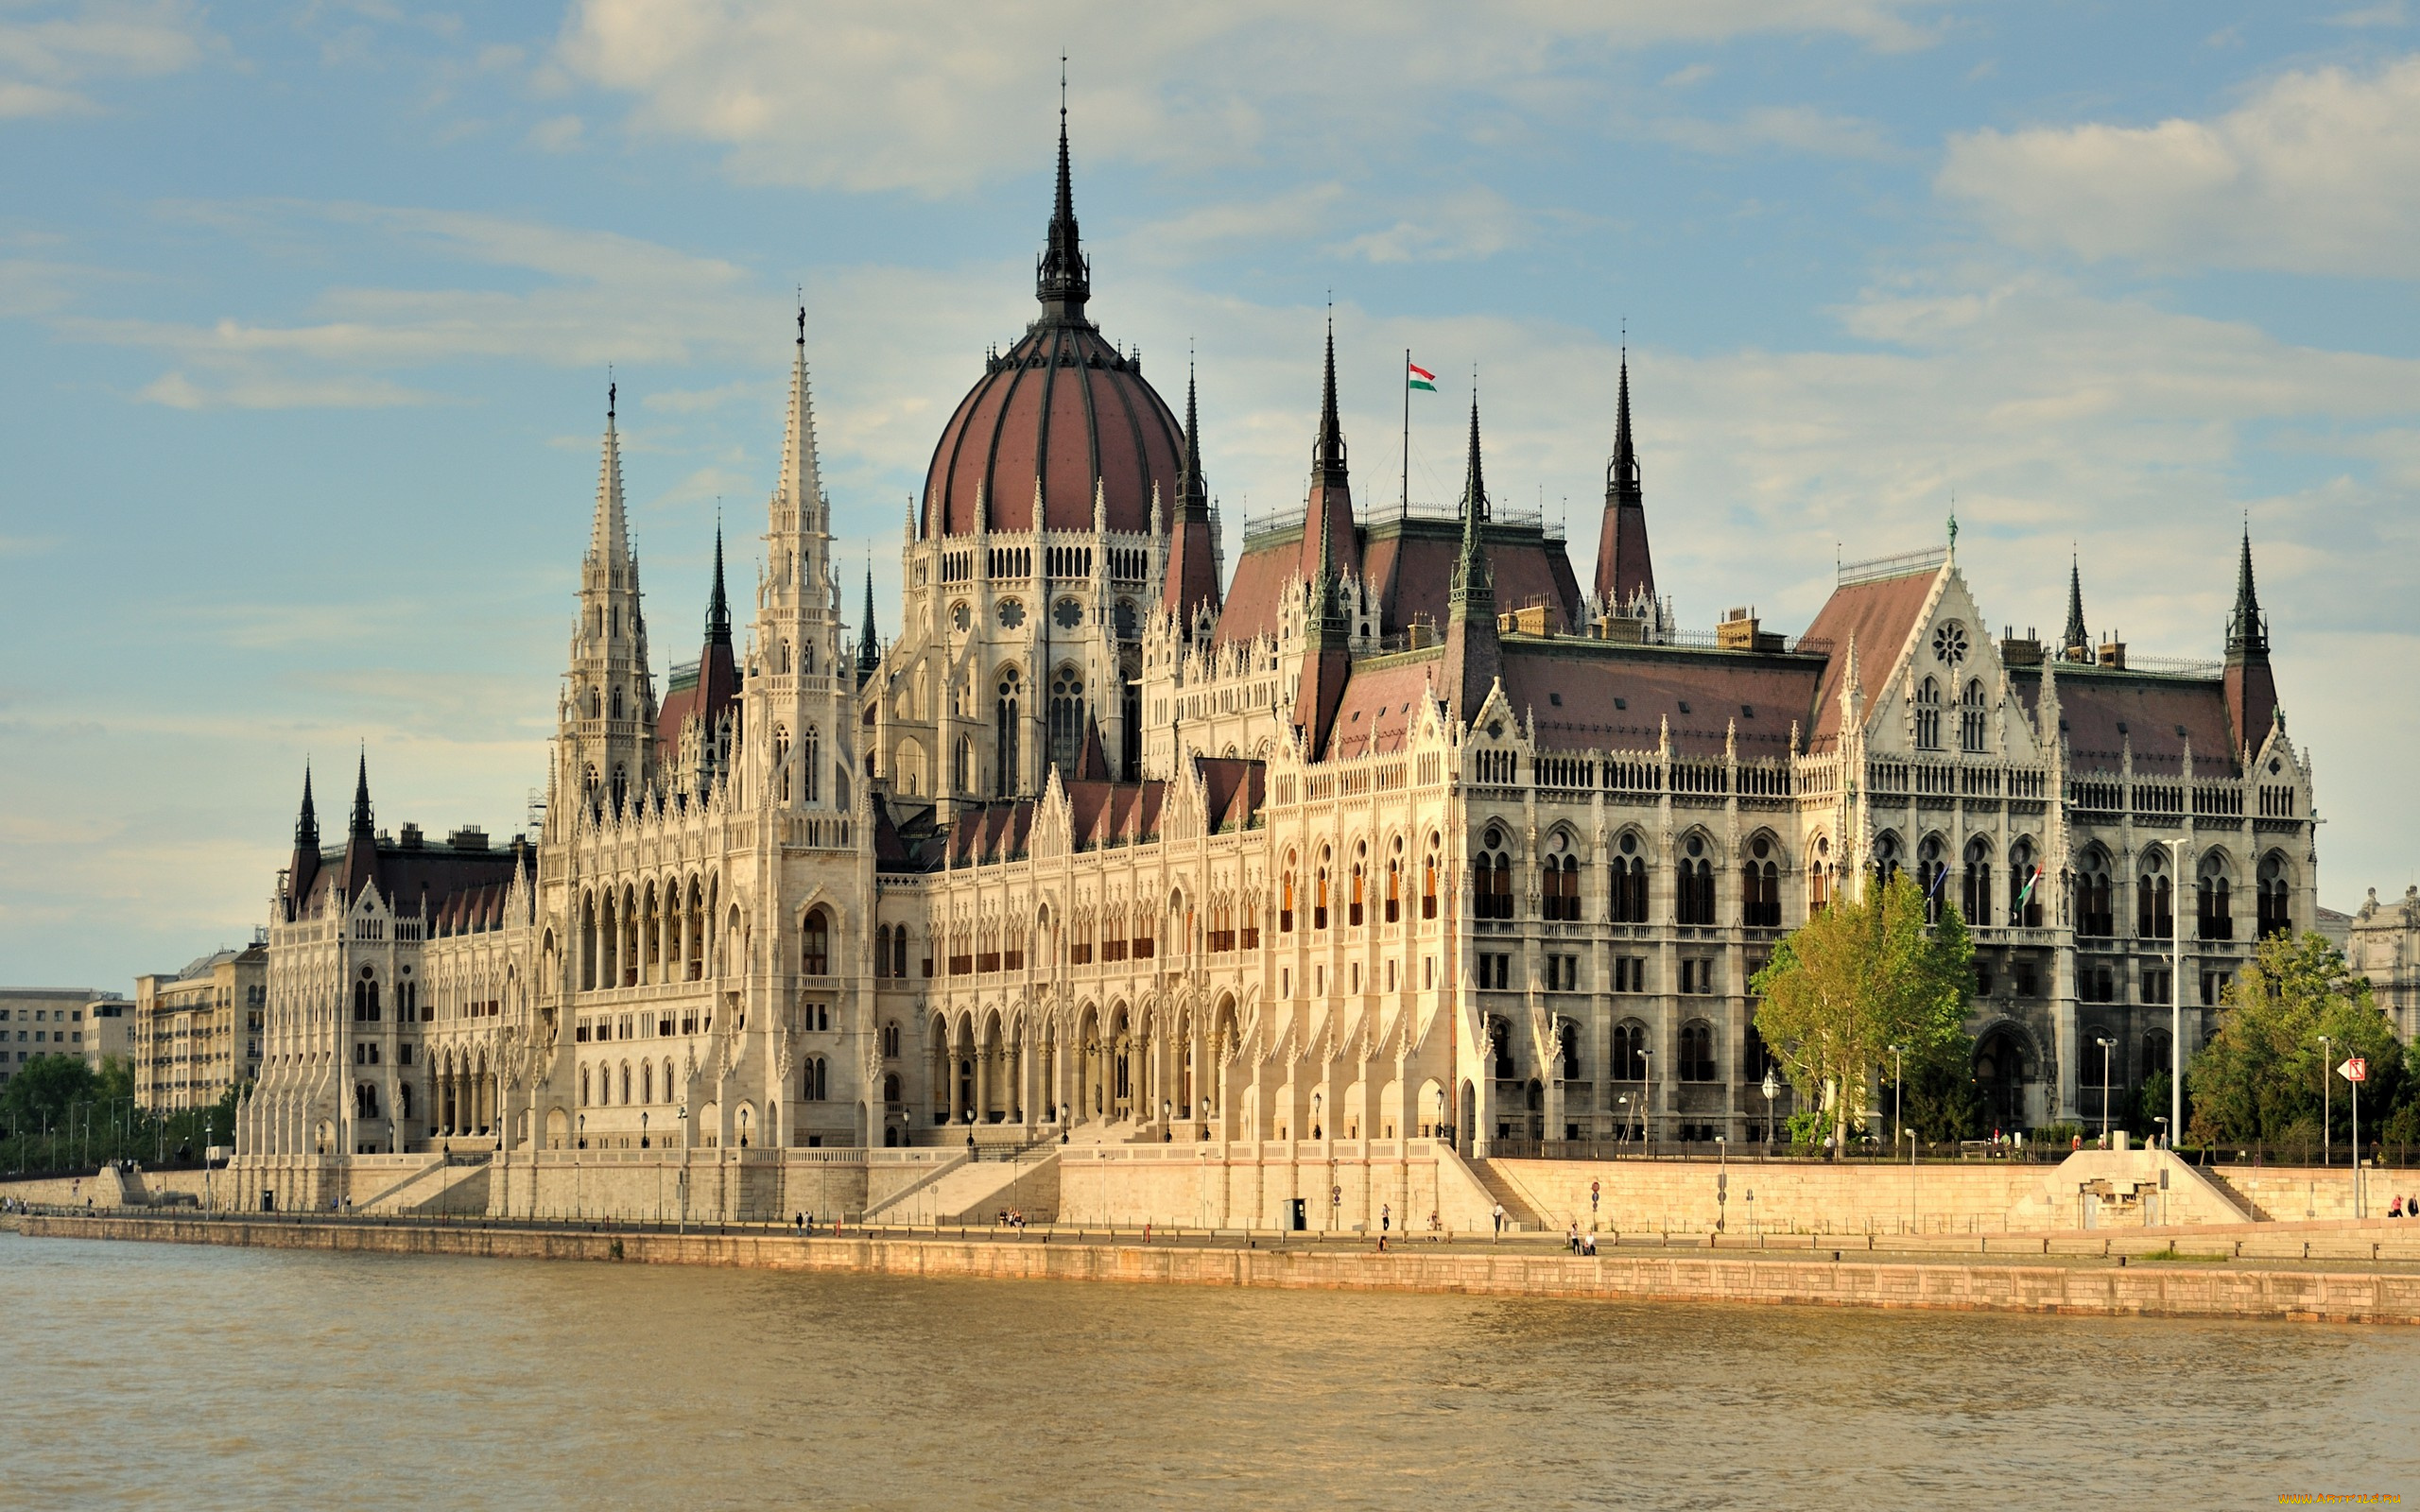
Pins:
x,y
2179,1290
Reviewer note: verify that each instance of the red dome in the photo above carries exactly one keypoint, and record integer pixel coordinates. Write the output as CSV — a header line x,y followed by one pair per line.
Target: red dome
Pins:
x,y
1061,411
1063,407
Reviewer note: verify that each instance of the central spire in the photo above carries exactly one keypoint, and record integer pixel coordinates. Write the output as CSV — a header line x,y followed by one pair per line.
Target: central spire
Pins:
x,y
1473,591
2076,642
1327,456
306,828
1062,276
2247,634
610,537
718,607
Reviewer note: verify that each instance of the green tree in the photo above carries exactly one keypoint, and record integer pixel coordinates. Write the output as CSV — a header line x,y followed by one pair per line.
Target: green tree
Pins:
x,y
40,1093
1853,981
1942,1101
2261,1076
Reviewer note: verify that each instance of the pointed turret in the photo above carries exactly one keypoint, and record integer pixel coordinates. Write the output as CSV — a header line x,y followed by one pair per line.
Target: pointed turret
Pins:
x,y
607,727
719,605
1192,578
306,827
801,485
1330,548
364,823
2077,641
2251,689
869,651
609,538
1474,660
797,694
1062,276
1625,566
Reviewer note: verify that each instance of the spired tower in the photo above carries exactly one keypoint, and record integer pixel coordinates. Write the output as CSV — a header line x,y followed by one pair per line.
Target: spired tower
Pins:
x,y
800,689
605,719
1038,551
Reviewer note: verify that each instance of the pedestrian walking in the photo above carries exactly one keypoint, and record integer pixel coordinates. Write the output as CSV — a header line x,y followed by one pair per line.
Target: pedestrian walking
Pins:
x,y
1385,1219
1500,1220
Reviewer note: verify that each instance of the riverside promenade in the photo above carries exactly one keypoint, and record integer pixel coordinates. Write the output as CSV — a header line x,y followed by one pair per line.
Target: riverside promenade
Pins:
x,y
2344,1271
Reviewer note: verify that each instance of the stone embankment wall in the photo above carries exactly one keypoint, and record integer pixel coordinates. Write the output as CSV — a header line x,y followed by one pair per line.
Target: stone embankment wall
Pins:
x,y
1835,1278
106,1190
2299,1193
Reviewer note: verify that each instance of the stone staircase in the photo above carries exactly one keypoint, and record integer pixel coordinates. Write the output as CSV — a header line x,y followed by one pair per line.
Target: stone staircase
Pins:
x,y
1468,1192
447,1184
969,1191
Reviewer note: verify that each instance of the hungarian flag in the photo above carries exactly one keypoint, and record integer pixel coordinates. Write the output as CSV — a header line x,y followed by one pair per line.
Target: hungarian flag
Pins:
x,y
1419,377
2027,896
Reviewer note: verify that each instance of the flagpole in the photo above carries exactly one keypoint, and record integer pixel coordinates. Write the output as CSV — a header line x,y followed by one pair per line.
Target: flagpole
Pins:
x,y
1406,433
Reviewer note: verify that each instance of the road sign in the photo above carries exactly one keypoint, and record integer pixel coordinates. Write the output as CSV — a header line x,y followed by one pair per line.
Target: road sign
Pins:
x,y
2354,1069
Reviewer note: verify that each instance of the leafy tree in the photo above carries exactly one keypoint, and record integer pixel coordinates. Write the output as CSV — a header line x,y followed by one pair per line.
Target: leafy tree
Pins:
x,y
2261,1076
1854,980
115,1082
1942,1101
40,1093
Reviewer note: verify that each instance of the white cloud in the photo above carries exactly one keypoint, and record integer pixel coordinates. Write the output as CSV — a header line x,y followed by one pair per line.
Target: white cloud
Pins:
x,y
47,53
2319,172
557,133
931,97
1464,226
1792,129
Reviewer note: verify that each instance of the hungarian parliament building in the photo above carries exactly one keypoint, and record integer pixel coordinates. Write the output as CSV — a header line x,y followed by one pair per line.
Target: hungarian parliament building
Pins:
x,y
1395,842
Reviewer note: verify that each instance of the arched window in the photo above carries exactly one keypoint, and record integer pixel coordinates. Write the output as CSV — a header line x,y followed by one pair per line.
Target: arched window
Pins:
x,y
1695,903
2274,916
2093,915
899,952
1429,884
815,1080
1499,1043
1886,860
810,757
626,1083
1567,1040
1066,720
647,1081
1353,903
1760,885
1930,869
1975,900
1629,1051
1006,736
1819,877
961,765
2214,903
1629,881
891,1043
814,945
1286,899
1319,894
2024,885
2154,897
617,703
1928,715
1492,878
1970,717
1697,1051
1395,882
781,758
1559,878
583,1086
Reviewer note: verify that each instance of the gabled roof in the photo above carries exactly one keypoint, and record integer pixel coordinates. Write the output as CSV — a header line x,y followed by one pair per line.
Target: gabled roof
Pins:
x,y
1880,615
1596,696
2104,710
1381,704
1236,789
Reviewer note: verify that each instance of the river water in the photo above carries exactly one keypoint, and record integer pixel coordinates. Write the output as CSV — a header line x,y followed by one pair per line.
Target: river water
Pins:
x,y
185,1375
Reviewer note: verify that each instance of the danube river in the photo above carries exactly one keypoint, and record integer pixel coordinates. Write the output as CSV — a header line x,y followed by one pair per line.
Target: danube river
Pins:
x,y
183,1376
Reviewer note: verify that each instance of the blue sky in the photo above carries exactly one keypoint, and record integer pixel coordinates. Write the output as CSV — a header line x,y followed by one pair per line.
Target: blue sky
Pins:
x,y
307,310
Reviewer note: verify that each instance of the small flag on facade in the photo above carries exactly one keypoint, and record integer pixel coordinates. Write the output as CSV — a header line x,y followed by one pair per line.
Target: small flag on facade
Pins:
x,y
1417,376
2027,896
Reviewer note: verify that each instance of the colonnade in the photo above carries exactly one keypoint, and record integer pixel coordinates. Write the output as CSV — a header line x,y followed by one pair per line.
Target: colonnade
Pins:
x,y
633,939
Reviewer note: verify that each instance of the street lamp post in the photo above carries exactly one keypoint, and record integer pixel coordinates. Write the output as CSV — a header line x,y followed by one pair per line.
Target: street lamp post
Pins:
x,y
1771,1089
681,1185
2106,1045
2176,990
1647,1103
2326,1089
578,1190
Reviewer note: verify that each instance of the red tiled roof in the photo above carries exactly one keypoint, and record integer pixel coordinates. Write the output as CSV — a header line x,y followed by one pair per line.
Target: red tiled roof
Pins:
x,y
1880,615
2104,712
1620,699
1379,705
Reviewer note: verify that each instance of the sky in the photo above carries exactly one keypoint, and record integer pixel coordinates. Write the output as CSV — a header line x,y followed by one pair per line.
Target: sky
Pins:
x,y
307,310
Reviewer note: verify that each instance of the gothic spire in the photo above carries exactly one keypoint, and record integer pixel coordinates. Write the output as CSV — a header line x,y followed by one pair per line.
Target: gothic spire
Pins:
x,y
2247,630
1063,277
1474,589
1196,488
1192,574
801,488
364,827
2077,641
718,607
306,828
869,654
609,538
1625,565
1327,455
